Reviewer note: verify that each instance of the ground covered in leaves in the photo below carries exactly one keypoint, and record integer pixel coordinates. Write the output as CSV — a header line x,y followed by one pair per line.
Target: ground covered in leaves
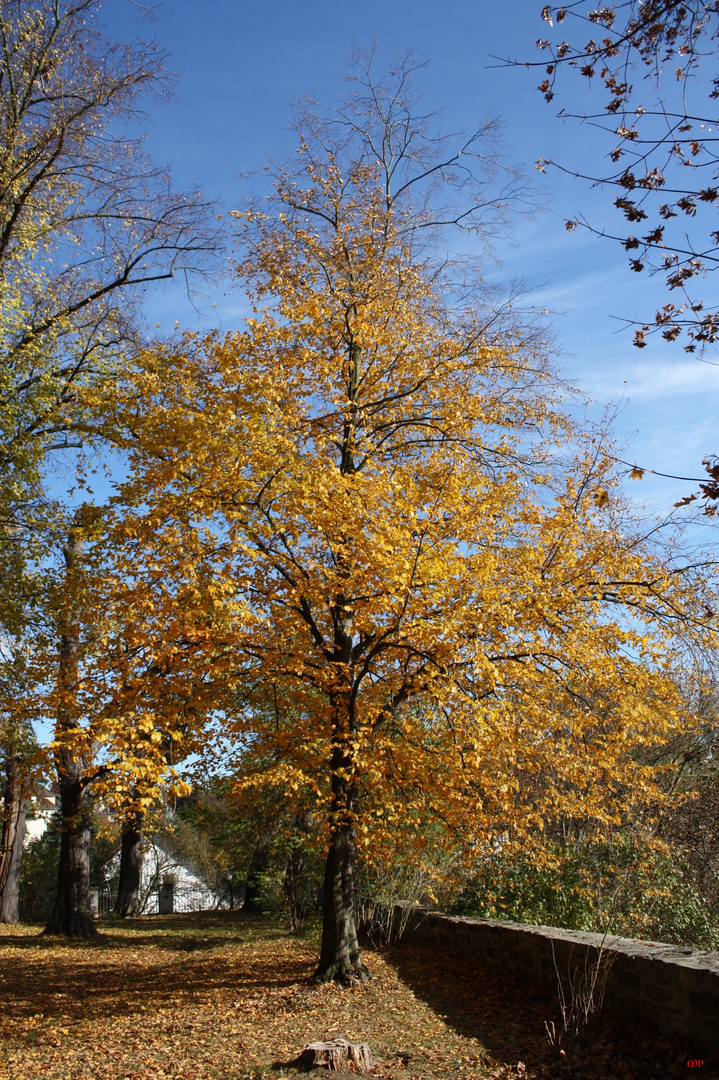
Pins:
x,y
226,996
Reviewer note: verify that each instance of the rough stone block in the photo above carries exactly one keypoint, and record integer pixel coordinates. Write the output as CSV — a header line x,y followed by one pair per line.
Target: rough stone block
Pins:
x,y
706,1003
656,993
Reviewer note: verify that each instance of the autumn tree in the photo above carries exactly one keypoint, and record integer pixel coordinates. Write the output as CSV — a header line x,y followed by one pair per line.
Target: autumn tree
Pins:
x,y
73,756
17,747
87,222
364,485
119,710
655,62
19,760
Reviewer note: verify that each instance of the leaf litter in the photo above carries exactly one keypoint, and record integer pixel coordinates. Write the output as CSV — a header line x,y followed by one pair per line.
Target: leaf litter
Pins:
x,y
226,996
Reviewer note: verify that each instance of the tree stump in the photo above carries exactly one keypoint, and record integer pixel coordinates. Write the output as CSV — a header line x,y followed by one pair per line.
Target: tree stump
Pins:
x,y
337,1054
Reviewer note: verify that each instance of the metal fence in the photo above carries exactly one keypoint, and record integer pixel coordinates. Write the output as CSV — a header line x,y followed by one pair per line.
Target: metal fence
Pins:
x,y
166,900
197,898
105,902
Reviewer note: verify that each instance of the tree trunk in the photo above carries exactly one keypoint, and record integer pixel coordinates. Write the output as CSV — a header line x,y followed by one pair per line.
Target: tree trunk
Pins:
x,y
340,959
128,890
72,914
295,869
253,884
10,895
13,836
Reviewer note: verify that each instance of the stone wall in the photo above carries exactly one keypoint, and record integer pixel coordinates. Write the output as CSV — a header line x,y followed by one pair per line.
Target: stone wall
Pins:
x,y
674,988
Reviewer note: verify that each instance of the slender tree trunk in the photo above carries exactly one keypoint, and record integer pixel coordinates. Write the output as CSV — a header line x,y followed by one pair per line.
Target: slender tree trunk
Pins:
x,y
128,890
10,894
72,914
253,884
12,836
295,868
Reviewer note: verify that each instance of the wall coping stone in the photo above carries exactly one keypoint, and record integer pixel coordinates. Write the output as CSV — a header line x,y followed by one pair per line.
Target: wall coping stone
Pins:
x,y
655,950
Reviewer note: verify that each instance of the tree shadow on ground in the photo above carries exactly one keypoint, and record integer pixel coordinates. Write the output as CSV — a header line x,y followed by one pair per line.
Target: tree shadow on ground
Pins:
x,y
183,932
168,962
508,1016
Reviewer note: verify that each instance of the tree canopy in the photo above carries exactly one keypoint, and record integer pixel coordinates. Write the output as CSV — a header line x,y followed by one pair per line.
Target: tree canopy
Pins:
x,y
400,599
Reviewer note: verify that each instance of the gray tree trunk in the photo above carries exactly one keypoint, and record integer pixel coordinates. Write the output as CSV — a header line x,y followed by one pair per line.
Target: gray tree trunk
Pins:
x,y
72,914
10,895
128,890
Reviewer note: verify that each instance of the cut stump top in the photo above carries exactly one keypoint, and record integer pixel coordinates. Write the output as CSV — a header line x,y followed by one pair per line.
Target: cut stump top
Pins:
x,y
336,1055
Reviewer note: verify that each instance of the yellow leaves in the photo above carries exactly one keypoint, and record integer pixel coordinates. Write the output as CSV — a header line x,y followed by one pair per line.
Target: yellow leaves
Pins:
x,y
335,548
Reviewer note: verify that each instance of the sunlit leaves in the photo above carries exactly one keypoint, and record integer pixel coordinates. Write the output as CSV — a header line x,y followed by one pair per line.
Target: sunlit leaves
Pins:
x,y
381,584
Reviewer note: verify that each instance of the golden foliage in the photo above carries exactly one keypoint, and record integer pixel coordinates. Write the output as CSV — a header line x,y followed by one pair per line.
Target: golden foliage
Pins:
x,y
399,603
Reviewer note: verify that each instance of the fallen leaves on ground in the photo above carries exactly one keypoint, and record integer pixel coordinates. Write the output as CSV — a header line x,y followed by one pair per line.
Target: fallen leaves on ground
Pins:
x,y
226,996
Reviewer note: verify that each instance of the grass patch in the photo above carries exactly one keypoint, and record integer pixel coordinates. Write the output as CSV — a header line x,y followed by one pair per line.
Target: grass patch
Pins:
x,y
226,996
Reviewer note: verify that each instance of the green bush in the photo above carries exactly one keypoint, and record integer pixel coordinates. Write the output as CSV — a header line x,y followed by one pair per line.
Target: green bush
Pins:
x,y
38,875
619,886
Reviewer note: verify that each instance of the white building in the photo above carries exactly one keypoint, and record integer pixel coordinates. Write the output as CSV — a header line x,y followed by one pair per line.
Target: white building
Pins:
x,y
40,808
168,883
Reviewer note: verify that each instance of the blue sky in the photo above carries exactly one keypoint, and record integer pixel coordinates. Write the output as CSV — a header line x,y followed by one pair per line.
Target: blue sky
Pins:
x,y
240,64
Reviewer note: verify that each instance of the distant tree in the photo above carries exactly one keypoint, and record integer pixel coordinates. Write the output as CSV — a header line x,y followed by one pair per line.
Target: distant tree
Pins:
x,y
360,496
87,222
690,827
128,899
38,881
19,759
259,840
115,707
656,63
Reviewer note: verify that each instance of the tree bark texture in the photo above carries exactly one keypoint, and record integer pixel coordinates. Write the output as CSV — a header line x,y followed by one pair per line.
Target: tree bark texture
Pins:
x,y
13,836
337,1055
128,890
340,959
10,894
72,914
